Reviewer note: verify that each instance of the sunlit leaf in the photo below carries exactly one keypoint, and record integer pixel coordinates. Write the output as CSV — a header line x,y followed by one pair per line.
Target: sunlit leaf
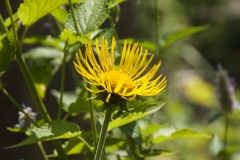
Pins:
x,y
50,131
89,16
8,20
31,11
17,129
177,35
170,133
137,110
60,14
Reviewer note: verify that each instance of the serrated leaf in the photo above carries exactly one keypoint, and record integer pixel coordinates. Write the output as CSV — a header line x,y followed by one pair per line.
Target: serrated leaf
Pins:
x,y
137,110
169,38
89,16
167,134
60,14
7,50
44,63
107,34
30,11
50,131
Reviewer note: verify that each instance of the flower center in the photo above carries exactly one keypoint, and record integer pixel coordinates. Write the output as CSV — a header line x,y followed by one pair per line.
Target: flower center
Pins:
x,y
116,77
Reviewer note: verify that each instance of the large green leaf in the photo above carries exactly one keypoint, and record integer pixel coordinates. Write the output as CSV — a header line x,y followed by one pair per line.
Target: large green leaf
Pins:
x,y
89,16
44,63
7,49
31,11
137,110
169,133
50,131
177,35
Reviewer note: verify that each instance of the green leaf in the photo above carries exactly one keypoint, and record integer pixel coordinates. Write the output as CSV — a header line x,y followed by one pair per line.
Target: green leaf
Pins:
x,y
44,63
55,42
107,34
169,38
114,3
8,20
50,131
74,103
7,50
137,110
170,133
60,14
89,16
67,35
17,129
30,11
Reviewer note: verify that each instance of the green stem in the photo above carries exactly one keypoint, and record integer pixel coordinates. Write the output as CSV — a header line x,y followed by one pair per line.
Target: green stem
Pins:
x,y
2,25
73,15
9,9
42,150
92,118
119,48
62,81
103,134
18,106
226,131
156,26
66,117
22,38
41,108
85,142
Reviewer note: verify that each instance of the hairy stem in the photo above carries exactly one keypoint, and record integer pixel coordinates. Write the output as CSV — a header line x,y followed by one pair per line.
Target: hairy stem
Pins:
x,y
92,118
103,134
73,15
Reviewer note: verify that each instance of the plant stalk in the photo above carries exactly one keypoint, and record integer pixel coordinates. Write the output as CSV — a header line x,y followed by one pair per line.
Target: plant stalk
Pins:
x,y
103,134
18,106
2,25
226,131
42,151
156,26
73,15
85,142
26,73
62,81
92,118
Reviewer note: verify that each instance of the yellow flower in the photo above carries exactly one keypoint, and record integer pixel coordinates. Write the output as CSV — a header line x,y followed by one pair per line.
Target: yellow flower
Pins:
x,y
127,80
